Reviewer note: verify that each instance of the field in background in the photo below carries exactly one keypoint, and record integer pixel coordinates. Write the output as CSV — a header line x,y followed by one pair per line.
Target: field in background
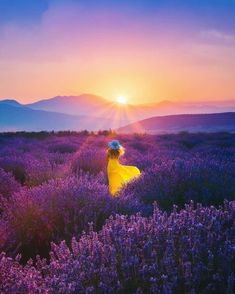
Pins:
x,y
53,188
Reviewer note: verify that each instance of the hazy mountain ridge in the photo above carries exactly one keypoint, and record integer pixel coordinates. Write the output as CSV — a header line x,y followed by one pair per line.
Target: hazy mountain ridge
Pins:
x,y
11,102
184,122
74,105
91,104
120,115
14,118
93,112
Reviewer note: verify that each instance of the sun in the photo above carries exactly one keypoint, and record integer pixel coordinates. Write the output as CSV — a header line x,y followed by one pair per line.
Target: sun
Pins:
x,y
121,100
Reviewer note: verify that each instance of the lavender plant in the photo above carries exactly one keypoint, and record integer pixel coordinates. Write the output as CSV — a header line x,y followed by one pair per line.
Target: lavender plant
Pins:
x,y
8,184
18,279
54,211
179,181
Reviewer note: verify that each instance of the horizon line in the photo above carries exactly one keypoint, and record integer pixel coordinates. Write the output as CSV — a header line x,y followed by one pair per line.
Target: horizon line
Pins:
x,y
128,104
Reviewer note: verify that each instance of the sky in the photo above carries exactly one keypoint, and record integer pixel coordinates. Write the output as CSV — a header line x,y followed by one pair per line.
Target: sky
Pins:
x,y
145,50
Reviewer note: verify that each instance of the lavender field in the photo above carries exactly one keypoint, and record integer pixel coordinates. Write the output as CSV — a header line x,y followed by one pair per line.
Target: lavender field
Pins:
x,y
169,231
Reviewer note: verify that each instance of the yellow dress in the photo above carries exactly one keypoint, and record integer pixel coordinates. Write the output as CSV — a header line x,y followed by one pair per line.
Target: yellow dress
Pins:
x,y
119,174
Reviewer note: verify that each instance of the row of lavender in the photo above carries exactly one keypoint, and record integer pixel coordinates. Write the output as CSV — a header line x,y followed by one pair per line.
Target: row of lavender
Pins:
x,y
53,186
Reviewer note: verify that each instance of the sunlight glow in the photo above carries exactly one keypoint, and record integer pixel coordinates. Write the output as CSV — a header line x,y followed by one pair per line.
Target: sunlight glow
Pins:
x,y
121,100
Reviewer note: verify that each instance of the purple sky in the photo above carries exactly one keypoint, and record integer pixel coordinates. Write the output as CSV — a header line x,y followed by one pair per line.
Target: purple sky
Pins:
x,y
144,50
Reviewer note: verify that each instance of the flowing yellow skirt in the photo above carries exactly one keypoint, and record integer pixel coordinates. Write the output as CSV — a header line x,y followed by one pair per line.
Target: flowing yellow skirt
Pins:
x,y
119,174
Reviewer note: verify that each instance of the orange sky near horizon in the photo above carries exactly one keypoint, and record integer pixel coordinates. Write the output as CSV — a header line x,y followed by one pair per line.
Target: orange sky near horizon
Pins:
x,y
110,55
138,82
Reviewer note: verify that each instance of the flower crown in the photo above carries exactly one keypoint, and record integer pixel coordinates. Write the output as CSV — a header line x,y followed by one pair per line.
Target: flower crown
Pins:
x,y
115,145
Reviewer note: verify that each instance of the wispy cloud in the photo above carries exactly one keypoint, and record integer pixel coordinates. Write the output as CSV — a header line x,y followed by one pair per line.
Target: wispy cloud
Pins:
x,y
216,35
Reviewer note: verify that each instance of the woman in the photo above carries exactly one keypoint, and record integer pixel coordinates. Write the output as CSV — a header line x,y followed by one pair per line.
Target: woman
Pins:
x,y
118,174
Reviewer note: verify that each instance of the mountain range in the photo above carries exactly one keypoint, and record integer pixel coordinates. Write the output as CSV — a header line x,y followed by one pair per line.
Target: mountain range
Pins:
x,y
95,113
212,122
92,105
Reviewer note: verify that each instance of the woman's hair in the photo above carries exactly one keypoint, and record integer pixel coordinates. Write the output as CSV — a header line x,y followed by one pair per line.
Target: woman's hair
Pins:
x,y
114,154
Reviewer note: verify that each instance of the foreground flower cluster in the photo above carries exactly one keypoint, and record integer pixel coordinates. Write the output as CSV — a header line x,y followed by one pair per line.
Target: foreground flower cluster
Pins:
x,y
191,251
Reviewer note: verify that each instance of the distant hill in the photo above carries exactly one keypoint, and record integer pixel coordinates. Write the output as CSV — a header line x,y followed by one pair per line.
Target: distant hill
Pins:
x,y
92,105
89,105
11,102
93,112
75,105
186,122
120,115
14,118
